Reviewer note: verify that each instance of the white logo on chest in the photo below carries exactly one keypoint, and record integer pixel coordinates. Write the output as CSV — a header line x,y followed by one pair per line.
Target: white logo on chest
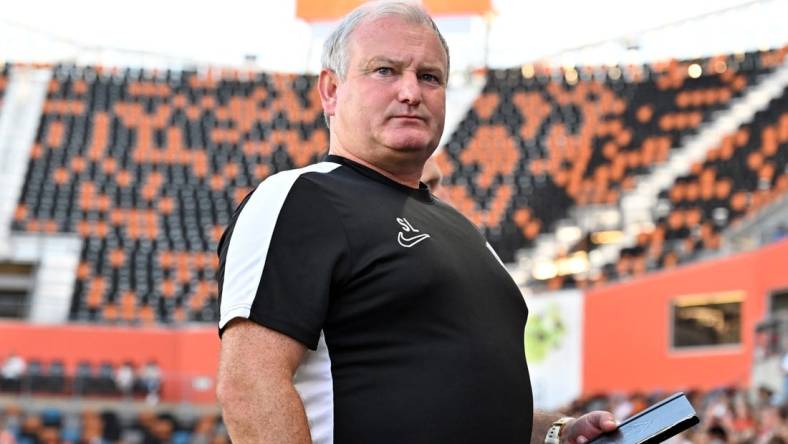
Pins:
x,y
408,237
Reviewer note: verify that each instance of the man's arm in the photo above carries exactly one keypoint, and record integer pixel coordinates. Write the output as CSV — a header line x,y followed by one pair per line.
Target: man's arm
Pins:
x,y
577,431
255,385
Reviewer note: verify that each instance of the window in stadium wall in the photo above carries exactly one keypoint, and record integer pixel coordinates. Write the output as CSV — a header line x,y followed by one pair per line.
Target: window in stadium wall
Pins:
x,y
779,301
16,280
706,320
13,304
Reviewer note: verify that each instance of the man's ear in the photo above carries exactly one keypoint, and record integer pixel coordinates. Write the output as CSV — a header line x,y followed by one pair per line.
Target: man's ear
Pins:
x,y
327,85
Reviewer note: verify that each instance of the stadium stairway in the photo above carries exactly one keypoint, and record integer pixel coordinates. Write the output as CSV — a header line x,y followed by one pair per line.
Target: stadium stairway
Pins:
x,y
55,256
19,116
636,206
753,231
460,95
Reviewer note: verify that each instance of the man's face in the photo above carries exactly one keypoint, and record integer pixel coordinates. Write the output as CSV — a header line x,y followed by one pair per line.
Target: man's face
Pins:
x,y
390,108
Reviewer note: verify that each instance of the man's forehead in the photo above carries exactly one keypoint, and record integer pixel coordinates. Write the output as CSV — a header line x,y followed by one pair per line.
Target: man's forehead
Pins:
x,y
381,29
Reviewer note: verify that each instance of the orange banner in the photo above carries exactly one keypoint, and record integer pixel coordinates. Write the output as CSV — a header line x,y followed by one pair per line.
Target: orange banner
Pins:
x,y
321,10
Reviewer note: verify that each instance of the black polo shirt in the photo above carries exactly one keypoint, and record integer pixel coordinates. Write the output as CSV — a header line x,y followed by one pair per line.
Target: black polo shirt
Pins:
x,y
414,325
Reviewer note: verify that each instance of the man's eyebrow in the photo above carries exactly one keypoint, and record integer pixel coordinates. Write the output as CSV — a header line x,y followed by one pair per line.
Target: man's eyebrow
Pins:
x,y
431,67
382,59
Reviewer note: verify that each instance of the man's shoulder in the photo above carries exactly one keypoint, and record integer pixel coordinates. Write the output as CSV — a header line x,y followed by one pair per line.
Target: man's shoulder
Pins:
x,y
288,177
280,185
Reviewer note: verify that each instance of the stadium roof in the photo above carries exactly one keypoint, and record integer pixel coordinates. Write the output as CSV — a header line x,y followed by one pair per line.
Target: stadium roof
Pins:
x,y
267,35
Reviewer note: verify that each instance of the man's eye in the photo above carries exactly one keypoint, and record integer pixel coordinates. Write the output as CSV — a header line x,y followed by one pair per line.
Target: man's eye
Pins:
x,y
430,78
384,70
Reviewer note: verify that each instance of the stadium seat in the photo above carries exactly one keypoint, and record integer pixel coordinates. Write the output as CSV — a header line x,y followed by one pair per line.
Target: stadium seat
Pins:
x,y
56,378
35,380
83,379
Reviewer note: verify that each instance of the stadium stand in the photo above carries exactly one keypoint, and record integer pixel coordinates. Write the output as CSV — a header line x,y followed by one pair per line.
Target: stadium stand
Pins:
x,y
739,177
147,168
540,141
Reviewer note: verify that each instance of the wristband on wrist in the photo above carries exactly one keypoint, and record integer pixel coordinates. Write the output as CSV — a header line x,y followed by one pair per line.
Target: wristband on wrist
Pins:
x,y
554,432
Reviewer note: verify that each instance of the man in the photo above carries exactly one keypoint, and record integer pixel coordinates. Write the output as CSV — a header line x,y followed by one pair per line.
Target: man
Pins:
x,y
12,372
431,175
413,327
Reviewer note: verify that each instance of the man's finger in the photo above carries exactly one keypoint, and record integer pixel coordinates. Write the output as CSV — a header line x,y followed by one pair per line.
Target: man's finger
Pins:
x,y
609,424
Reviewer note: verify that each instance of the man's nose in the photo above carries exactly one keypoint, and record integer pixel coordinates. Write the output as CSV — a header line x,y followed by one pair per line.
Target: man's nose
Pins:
x,y
409,89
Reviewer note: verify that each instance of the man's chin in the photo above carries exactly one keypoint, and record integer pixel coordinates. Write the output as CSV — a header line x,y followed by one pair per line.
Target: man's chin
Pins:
x,y
411,144
412,150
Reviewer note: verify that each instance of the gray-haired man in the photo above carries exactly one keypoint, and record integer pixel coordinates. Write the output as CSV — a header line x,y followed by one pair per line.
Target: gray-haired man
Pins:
x,y
413,327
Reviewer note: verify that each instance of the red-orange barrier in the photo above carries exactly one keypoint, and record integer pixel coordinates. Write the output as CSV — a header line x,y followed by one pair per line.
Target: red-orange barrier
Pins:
x,y
181,354
627,326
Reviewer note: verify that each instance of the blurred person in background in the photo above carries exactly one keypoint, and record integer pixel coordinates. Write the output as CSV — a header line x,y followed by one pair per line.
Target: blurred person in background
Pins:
x,y
742,423
13,369
717,435
432,175
10,424
764,397
414,326
784,370
771,425
124,379
150,377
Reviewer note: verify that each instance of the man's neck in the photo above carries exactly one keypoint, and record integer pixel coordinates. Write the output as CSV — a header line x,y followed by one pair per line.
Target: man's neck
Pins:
x,y
409,180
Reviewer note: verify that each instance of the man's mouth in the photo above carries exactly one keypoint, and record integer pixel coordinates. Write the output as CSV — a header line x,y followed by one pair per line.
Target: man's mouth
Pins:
x,y
409,117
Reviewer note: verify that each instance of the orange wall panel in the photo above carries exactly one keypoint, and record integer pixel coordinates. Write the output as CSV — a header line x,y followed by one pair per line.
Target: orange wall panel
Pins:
x,y
627,326
181,353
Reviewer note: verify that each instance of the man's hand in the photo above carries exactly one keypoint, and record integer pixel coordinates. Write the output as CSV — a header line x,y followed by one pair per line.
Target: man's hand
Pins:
x,y
588,427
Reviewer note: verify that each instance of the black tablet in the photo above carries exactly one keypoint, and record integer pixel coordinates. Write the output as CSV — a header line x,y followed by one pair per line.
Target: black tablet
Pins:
x,y
655,424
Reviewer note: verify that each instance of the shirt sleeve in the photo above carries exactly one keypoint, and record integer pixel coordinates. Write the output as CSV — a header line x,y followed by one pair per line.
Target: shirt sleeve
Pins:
x,y
280,258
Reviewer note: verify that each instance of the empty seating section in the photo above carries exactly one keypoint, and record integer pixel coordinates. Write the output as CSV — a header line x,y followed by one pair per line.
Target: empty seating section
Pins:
x,y
746,171
147,168
538,141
